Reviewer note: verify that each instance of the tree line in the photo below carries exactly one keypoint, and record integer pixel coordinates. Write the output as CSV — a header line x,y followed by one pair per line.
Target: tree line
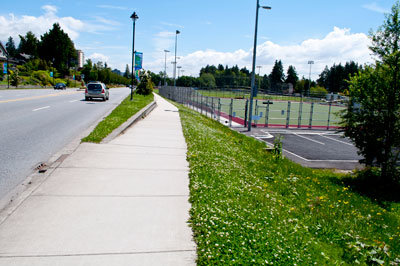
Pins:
x,y
331,79
54,47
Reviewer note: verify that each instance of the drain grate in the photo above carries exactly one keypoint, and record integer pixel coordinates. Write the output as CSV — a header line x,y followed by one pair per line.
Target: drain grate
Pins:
x,y
42,167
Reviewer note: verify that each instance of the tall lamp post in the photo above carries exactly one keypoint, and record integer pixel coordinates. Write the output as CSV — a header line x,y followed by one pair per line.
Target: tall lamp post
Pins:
x,y
259,78
253,75
176,44
165,69
179,68
309,79
134,17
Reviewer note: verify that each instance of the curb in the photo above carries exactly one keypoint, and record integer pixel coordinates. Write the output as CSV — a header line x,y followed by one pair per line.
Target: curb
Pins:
x,y
122,128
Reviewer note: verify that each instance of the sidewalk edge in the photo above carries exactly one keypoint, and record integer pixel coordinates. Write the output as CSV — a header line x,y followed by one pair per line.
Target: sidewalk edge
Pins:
x,y
122,128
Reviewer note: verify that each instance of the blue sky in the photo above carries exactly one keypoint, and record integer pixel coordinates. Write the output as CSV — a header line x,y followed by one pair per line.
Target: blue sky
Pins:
x,y
212,32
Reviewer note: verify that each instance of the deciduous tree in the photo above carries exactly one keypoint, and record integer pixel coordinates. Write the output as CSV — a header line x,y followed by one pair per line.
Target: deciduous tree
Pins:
x,y
372,119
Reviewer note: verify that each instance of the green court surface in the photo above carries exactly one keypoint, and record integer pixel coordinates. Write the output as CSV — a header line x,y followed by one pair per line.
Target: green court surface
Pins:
x,y
276,113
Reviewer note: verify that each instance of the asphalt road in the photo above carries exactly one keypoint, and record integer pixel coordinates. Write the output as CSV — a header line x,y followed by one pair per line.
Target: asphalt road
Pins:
x,y
35,124
312,148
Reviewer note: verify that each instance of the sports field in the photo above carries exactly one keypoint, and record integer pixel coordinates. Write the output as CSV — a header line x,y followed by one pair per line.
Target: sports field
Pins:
x,y
276,112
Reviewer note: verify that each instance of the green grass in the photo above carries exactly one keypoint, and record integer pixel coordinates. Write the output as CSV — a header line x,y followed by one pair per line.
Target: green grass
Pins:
x,y
118,116
251,208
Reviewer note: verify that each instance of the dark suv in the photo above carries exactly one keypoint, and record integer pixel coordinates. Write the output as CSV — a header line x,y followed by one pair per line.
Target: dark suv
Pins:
x,y
60,86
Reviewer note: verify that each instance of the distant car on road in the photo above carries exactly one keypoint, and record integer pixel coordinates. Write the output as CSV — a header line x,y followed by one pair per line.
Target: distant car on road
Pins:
x,y
60,86
96,90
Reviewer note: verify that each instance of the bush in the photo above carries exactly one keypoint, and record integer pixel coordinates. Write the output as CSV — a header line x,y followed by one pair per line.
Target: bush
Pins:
x,y
43,77
145,86
14,78
318,92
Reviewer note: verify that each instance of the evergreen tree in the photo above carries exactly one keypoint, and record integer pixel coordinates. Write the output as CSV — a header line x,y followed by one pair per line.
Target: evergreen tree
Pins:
x,y
10,47
57,47
277,76
28,44
127,73
292,76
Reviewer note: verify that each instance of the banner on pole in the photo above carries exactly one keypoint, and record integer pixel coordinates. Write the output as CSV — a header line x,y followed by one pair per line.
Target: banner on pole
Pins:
x,y
137,75
138,60
5,68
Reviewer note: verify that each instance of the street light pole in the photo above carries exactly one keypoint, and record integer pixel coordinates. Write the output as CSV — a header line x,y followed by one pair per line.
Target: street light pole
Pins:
x,y
165,69
134,17
253,75
259,78
176,44
309,79
179,68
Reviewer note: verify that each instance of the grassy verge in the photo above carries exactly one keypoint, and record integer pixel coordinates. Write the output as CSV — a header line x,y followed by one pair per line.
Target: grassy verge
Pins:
x,y
118,116
251,208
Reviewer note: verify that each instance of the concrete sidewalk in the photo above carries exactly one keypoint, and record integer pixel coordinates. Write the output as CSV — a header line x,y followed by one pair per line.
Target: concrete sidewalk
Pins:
x,y
121,203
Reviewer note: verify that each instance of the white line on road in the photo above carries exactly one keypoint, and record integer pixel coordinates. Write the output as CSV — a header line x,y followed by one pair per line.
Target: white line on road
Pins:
x,y
309,139
307,160
34,110
337,140
73,101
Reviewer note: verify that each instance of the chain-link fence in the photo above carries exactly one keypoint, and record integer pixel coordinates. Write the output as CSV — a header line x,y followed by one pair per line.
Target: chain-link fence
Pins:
x,y
286,112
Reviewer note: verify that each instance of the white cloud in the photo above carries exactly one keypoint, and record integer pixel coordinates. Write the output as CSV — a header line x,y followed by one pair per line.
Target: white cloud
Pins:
x,y
13,26
50,9
172,25
97,57
112,7
376,8
338,46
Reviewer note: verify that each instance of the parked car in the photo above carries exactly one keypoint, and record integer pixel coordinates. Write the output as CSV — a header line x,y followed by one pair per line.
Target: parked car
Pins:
x,y
96,90
60,86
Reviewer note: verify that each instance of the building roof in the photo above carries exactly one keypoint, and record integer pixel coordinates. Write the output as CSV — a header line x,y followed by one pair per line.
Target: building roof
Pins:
x,y
3,51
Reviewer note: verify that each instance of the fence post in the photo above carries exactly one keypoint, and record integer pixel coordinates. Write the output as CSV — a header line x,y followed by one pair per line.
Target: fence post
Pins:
x,y
201,108
212,107
219,109
288,114
206,109
329,115
300,112
311,115
230,113
245,112
267,114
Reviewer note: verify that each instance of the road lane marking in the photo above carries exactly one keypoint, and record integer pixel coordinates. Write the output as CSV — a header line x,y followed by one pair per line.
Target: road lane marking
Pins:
x,y
73,101
309,139
41,96
333,161
338,140
41,108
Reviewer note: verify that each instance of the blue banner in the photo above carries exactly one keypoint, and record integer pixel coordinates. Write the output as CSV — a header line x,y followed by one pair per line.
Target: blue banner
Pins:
x,y
138,60
5,68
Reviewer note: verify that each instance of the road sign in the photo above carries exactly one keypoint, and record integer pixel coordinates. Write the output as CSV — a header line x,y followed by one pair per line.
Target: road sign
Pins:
x,y
5,68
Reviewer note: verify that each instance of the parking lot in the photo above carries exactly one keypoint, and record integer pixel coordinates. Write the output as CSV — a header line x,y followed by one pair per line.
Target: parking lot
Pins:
x,y
311,148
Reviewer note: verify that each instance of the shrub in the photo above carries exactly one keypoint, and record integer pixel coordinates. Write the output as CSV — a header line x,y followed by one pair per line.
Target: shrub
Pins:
x,y
42,76
145,86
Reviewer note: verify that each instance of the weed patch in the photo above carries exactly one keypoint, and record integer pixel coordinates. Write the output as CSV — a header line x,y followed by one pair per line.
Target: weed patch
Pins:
x,y
248,208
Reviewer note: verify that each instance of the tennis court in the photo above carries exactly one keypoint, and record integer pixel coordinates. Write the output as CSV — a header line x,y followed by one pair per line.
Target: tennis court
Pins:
x,y
274,111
